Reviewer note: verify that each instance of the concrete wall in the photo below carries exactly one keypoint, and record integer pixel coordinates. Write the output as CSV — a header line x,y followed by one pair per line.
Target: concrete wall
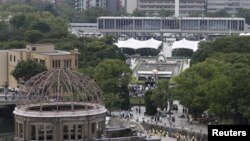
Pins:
x,y
4,67
14,56
40,48
40,55
112,5
131,5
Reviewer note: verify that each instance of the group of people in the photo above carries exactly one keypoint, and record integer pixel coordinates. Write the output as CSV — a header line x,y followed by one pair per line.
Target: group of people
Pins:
x,y
182,137
13,96
126,115
177,135
157,132
136,90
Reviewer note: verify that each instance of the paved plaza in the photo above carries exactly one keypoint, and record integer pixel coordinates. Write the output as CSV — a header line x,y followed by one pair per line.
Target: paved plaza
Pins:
x,y
181,123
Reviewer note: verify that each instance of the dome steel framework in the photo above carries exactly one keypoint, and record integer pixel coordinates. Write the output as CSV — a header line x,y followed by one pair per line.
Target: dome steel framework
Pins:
x,y
60,86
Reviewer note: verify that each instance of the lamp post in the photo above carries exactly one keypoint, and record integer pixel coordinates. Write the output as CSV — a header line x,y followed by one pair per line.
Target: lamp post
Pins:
x,y
155,72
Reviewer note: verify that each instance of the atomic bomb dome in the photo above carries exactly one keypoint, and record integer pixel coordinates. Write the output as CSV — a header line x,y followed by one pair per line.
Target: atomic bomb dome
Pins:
x,y
59,105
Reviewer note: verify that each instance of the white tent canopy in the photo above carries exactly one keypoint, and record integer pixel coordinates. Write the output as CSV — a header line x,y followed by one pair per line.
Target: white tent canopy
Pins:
x,y
244,34
185,44
137,44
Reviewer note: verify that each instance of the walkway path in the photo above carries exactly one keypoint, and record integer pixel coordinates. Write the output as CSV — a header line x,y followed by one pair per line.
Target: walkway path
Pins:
x,y
180,123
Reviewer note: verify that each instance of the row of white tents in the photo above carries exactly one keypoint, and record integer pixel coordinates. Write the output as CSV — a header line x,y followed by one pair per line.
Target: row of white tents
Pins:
x,y
137,44
155,44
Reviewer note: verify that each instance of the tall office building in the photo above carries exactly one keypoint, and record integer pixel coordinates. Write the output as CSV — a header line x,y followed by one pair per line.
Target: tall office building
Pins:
x,y
230,6
131,5
186,7
112,5
85,4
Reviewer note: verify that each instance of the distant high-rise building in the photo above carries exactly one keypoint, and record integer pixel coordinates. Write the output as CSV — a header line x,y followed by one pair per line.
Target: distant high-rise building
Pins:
x,y
230,6
131,5
85,4
186,7
112,5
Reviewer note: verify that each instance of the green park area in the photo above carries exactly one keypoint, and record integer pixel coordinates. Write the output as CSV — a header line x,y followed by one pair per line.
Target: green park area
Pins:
x,y
216,83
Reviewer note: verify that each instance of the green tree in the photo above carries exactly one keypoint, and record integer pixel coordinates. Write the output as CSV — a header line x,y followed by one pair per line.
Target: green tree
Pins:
x,y
165,13
26,69
195,14
41,26
4,32
245,13
161,95
229,44
113,76
95,51
220,13
19,21
182,52
112,102
204,50
33,36
193,87
151,108
138,13
220,95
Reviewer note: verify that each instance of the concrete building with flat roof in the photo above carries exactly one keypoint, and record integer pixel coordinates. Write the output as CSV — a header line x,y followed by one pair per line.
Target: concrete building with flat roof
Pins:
x,y
44,54
81,5
131,5
186,7
230,6
205,25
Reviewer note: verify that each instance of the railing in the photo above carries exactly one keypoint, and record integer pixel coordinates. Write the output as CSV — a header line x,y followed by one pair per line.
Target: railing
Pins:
x,y
7,136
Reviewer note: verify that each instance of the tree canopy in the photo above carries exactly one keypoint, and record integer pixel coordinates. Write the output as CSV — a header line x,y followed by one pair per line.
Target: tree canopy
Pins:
x,y
218,79
161,95
26,69
113,76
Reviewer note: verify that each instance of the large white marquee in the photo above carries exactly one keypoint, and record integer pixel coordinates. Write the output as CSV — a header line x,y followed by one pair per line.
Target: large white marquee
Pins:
x,y
186,44
137,44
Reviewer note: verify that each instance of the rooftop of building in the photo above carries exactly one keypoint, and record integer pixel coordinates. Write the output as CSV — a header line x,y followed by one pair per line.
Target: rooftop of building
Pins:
x,y
23,49
3,50
188,18
56,52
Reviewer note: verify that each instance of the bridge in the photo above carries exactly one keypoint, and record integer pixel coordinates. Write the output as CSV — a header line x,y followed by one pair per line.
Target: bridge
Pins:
x,y
8,100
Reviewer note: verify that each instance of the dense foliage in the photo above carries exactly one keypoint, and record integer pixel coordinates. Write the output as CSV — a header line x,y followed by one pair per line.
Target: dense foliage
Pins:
x,y
26,69
42,22
113,76
151,108
218,80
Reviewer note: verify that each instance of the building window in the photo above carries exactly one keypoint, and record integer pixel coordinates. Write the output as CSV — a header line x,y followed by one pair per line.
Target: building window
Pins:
x,y
33,132
53,64
10,57
14,58
67,63
65,132
80,131
33,48
56,64
49,133
93,128
42,62
41,131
